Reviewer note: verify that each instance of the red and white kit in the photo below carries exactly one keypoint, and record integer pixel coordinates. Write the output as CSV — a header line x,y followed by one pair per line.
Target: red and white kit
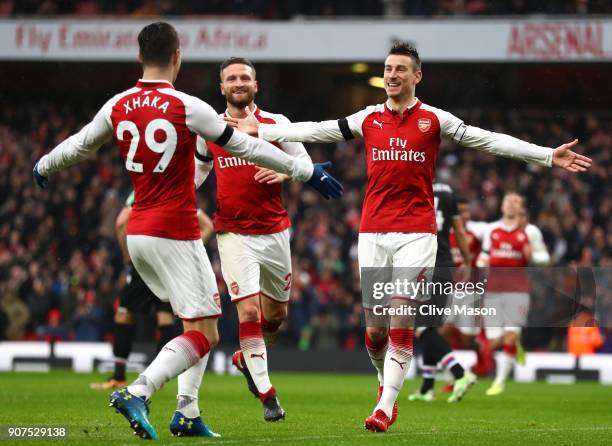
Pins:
x,y
156,129
401,151
398,220
474,243
508,281
252,224
474,232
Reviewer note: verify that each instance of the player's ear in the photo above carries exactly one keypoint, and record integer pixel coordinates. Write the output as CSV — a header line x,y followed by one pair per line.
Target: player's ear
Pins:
x,y
222,88
418,75
256,86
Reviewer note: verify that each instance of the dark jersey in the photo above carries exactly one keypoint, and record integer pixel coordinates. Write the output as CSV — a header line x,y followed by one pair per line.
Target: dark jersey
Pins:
x,y
446,208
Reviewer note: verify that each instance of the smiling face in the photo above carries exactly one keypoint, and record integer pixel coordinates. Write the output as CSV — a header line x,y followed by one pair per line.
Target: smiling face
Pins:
x,y
512,205
400,76
238,84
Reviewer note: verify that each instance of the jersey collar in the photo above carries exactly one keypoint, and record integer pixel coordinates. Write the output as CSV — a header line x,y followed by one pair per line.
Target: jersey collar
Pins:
x,y
508,228
255,111
411,109
151,83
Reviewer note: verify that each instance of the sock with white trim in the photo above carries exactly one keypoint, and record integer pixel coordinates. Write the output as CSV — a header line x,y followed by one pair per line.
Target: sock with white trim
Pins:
x,y
178,355
255,354
189,386
397,363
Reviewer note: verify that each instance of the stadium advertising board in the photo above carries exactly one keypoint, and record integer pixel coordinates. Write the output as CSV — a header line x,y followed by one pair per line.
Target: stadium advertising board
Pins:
x,y
87,357
323,41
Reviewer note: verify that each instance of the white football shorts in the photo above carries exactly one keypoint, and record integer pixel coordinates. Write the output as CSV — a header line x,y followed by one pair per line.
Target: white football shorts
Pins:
x,y
254,264
468,325
411,252
511,313
179,272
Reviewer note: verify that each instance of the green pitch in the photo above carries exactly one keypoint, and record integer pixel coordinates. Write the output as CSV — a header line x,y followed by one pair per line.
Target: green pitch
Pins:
x,y
321,410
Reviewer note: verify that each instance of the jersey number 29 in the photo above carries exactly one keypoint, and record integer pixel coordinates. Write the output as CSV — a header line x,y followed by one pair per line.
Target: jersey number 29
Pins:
x,y
167,147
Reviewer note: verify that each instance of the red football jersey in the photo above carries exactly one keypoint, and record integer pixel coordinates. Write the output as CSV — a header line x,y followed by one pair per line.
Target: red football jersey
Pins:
x,y
151,130
473,245
246,206
401,152
506,247
156,128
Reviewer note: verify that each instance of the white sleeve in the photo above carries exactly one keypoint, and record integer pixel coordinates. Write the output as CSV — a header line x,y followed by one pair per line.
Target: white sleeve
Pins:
x,y
265,154
454,129
486,238
203,163
539,254
293,148
478,228
204,121
80,145
324,131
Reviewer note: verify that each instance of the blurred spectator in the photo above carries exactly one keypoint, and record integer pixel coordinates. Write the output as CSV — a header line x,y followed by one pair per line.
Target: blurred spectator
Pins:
x,y
54,330
583,335
14,314
88,318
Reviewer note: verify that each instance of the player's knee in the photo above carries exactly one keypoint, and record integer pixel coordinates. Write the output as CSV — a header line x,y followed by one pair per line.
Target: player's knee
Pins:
x,y
248,312
377,334
212,337
277,314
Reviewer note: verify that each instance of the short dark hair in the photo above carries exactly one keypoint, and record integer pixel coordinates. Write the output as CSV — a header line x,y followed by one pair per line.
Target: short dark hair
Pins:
x,y
157,42
235,60
518,194
406,49
462,200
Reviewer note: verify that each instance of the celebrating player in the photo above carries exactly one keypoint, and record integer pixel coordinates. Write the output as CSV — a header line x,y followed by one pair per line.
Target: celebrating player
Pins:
x,y
398,224
437,354
157,128
510,244
253,237
137,297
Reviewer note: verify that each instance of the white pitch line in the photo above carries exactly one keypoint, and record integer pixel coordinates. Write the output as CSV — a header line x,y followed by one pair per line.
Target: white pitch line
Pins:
x,y
400,434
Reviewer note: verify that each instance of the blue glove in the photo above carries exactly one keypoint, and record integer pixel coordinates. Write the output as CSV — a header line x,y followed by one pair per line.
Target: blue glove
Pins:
x,y
40,180
323,182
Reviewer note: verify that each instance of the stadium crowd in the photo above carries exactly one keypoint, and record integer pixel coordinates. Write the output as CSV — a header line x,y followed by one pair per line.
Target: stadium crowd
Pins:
x,y
275,9
61,269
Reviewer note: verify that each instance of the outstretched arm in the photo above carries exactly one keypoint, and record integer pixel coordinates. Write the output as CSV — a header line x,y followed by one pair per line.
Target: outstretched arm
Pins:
x,y
500,144
203,121
79,146
323,131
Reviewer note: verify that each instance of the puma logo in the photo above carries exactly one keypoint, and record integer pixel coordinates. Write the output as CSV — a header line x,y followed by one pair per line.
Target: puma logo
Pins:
x,y
401,364
379,124
256,355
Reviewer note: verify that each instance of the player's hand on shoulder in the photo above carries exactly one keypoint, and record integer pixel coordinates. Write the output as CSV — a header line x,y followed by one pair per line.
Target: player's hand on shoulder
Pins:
x,y
248,125
40,179
566,158
269,176
324,182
